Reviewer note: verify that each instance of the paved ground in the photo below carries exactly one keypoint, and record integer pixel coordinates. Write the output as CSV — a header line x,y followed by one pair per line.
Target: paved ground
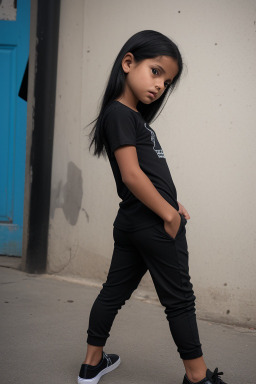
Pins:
x,y
43,333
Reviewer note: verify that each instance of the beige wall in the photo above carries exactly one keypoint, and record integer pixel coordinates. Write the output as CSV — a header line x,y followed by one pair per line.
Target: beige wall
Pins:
x,y
207,131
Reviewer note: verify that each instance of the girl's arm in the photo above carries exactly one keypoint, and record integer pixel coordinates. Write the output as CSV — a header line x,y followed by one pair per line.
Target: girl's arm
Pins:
x,y
142,187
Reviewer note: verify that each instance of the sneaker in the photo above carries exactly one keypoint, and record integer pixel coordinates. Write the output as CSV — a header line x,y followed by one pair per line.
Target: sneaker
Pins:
x,y
211,378
90,374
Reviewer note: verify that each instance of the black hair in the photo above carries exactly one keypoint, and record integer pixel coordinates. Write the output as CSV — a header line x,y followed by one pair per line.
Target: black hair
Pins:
x,y
143,45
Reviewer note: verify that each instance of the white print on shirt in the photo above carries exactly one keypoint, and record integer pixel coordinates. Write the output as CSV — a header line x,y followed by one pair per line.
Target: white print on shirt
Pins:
x,y
159,152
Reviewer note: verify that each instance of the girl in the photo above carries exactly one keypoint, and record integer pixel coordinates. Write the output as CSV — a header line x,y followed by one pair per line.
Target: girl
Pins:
x,y
149,230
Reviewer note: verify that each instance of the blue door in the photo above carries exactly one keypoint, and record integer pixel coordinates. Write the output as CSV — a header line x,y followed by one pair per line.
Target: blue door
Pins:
x,y
14,51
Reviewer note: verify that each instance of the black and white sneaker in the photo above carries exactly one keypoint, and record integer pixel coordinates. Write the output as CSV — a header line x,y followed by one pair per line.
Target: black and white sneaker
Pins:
x,y
90,374
211,378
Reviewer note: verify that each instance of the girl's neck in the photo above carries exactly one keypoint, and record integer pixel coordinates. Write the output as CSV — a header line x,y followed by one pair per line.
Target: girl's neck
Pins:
x,y
130,104
127,105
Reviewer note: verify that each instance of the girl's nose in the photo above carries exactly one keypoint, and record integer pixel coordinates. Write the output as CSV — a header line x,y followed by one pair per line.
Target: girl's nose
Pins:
x,y
160,85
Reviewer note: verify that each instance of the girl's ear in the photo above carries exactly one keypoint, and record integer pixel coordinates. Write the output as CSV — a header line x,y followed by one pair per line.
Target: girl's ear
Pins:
x,y
127,62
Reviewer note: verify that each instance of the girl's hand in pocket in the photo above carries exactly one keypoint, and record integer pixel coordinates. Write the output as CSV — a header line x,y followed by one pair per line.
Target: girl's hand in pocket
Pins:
x,y
183,211
172,227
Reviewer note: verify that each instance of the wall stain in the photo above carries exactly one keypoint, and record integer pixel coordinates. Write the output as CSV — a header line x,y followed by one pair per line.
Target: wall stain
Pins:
x,y
69,196
86,214
73,193
72,255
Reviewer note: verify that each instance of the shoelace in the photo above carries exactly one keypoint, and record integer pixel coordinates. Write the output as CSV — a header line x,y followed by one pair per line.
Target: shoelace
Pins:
x,y
215,377
108,359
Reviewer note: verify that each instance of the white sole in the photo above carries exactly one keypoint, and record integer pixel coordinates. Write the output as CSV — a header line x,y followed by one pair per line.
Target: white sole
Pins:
x,y
103,372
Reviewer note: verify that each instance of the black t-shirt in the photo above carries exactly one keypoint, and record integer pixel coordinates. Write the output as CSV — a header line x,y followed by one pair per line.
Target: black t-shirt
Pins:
x,y
124,126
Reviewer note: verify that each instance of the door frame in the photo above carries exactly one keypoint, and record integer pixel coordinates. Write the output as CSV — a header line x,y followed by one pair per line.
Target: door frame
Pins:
x,y
42,78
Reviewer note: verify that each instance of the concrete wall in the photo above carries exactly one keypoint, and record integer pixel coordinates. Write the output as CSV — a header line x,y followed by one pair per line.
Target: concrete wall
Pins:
x,y
207,131
7,10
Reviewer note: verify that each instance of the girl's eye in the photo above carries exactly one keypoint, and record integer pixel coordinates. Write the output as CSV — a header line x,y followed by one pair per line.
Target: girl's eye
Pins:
x,y
166,84
154,71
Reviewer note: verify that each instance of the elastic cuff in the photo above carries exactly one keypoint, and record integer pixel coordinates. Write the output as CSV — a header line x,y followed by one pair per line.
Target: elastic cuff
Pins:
x,y
191,355
96,341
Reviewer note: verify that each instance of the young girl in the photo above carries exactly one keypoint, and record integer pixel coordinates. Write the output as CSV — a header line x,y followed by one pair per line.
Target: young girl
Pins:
x,y
149,229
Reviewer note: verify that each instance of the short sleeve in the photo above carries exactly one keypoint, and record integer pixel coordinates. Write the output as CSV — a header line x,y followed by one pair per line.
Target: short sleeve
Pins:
x,y
119,129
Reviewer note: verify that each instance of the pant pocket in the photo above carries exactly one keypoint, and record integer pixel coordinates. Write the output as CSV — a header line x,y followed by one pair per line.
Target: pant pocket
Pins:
x,y
183,222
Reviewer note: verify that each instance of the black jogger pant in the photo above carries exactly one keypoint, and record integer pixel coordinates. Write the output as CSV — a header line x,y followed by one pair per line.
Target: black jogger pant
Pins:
x,y
166,259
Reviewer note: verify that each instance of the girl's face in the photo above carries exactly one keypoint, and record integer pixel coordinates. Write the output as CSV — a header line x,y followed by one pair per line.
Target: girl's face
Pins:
x,y
147,80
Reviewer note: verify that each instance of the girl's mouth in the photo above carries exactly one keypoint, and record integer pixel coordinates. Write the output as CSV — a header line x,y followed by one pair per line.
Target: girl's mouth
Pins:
x,y
152,94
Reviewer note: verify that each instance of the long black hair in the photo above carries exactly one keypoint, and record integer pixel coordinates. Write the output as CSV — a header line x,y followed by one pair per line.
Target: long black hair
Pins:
x,y
143,45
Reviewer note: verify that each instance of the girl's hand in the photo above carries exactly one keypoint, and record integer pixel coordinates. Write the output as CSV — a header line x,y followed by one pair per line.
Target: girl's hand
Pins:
x,y
183,211
172,227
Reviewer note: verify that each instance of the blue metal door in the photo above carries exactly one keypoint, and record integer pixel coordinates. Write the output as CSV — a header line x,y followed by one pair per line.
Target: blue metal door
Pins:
x,y
14,51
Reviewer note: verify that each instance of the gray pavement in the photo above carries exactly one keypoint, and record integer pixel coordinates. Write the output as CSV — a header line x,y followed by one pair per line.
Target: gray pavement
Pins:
x,y
43,337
